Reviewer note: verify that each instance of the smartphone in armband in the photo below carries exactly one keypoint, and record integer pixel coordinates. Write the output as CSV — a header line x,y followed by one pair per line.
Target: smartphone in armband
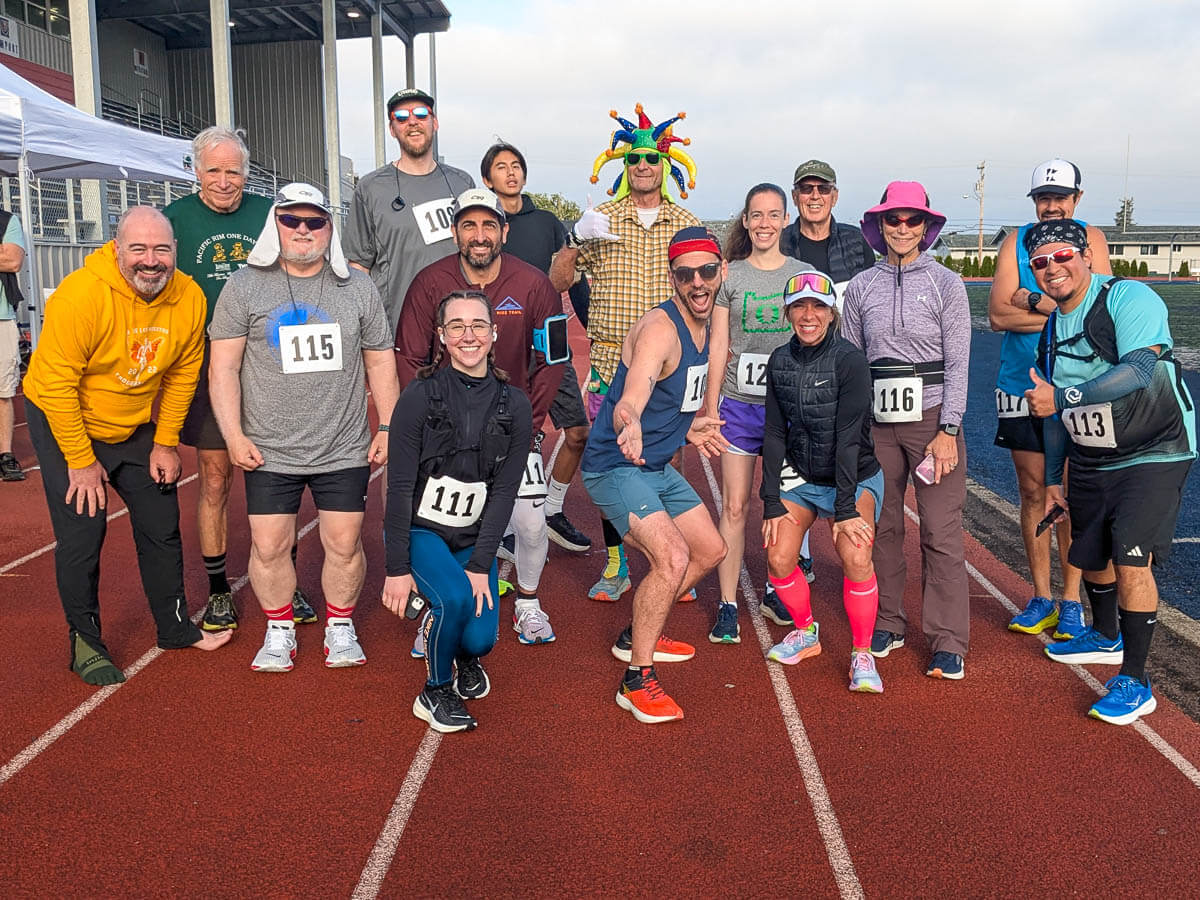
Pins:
x,y
927,469
551,340
416,605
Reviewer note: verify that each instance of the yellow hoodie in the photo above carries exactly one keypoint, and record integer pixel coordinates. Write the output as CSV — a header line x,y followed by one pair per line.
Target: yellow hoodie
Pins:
x,y
104,352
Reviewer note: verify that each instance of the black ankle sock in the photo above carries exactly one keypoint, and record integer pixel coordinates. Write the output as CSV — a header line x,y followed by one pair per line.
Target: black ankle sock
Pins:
x,y
1137,628
295,547
218,583
1103,598
638,674
611,538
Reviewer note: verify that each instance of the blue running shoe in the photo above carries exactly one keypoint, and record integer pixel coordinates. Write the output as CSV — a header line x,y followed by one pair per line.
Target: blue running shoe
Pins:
x,y
884,642
864,677
801,643
1127,701
945,665
772,607
609,590
1090,648
726,630
1070,620
806,566
1035,618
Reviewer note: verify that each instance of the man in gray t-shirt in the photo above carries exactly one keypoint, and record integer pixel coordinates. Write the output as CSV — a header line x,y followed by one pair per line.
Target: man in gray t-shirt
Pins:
x,y
400,215
293,335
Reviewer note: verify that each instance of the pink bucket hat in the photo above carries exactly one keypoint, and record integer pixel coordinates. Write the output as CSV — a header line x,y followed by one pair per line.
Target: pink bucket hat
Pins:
x,y
901,195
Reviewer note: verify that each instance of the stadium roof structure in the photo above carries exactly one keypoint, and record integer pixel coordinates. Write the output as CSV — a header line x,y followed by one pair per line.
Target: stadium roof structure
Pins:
x,y
185,23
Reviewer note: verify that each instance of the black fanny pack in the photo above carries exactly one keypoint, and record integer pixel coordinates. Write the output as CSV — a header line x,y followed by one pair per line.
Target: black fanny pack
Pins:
x,y
928,372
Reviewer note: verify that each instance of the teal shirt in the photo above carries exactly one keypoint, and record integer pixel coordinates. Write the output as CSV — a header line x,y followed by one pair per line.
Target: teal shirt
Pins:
x,y
12,235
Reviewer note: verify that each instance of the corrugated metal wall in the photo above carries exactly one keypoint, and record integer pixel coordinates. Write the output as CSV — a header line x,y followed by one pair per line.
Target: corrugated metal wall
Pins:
x,y
43,48
117,41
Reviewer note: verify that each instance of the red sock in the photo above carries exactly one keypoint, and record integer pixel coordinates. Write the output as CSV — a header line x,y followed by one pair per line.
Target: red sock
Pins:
x,y
793,591
283,614
338,612
862,602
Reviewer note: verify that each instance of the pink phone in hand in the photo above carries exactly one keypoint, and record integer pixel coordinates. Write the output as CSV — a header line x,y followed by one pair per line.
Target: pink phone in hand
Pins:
x,y
925,471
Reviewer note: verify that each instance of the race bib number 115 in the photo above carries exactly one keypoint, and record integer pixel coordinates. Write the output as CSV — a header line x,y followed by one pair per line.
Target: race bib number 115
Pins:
x,y
316,347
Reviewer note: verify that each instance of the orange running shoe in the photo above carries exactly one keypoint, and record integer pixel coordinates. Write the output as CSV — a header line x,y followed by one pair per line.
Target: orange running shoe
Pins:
x,y
666,650
645,698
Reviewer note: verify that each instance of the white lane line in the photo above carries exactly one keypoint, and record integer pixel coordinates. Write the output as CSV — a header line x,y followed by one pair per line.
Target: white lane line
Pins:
x,y
384,851
814,783
1186,540
1173,756
88,706
8,567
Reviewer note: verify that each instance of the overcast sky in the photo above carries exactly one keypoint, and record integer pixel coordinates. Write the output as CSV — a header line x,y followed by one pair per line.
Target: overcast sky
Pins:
x,y
913,91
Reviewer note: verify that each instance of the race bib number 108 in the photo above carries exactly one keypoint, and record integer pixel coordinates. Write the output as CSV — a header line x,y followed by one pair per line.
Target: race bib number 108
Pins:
x,y
434,219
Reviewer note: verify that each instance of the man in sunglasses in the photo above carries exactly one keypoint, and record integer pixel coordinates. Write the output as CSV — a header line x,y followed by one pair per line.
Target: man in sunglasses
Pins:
x,y
647,414
1017,308
1116,404
296,336
400,214
522,299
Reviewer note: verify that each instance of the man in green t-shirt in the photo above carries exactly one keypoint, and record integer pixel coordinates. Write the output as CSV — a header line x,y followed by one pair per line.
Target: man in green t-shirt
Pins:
x,y
215,230
12,254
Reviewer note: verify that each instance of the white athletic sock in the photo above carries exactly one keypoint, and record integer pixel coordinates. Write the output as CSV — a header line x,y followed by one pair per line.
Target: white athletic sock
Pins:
x,y
556,492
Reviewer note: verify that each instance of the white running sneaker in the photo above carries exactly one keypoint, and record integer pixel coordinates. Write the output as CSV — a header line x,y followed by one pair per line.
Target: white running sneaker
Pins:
x,y
418,647
342,648
532,626
278,649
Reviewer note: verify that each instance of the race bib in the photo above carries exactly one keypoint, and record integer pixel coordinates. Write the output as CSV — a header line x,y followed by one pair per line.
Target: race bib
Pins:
x,y
533,482
789,478
434,219
897,399
1091,426
693,388
316,347
752,374
1010,406
453,503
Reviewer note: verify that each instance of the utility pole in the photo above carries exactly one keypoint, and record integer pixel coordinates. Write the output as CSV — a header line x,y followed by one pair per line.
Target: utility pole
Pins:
x,y
979,194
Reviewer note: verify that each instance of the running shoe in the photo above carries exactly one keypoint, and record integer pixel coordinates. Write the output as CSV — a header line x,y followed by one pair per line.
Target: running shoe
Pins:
x,y
1090,648
806,566
1038,615
884,642
302,611
560,530
864,677
645,698
471,681
219,613
278,649
532,626
609,590
508,548
946,665
1070,620
443,709
800,643
689,597
418,647
726,630
1127,701
666,650
506,587
342,648
10,468
772,607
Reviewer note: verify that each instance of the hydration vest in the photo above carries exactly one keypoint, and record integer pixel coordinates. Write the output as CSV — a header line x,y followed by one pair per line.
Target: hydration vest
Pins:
x,y
446,451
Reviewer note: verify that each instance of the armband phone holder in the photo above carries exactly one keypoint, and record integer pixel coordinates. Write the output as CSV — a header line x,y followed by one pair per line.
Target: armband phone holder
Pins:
x,y
551,340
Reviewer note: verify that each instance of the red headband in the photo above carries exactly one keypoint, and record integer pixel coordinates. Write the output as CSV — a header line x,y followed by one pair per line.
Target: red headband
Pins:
x,y
707,245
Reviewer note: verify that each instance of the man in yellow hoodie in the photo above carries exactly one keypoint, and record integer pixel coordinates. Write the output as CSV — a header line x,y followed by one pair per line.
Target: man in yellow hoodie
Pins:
x,y
119,333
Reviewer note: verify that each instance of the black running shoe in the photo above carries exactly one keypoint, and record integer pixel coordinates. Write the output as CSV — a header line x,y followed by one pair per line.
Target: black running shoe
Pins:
x,y
10,469
471,682
443,710
560,530
219,613
508,548
302,611
806,566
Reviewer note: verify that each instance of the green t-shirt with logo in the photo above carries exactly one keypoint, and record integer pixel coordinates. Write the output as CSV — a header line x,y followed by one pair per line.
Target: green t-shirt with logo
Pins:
x,y
12,235
213,245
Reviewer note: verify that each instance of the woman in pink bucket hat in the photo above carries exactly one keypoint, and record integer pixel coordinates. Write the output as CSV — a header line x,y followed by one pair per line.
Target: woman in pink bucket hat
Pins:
x,y
910,316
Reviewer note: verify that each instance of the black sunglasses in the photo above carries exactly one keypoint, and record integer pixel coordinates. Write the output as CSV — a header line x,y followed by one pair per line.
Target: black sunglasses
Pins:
x,y
652,158
314,223
686,274
916,220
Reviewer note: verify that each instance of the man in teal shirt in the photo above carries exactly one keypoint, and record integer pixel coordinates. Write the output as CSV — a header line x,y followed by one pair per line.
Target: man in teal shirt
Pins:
x,y
12,255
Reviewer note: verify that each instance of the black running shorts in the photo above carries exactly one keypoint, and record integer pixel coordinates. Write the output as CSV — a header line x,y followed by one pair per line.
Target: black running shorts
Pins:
x,y
277,493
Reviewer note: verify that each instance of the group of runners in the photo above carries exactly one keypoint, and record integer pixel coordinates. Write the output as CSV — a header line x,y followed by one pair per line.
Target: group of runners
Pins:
x,y
838,354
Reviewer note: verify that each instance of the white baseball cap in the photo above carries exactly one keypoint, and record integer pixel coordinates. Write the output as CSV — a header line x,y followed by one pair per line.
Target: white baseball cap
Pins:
x,y
1055,176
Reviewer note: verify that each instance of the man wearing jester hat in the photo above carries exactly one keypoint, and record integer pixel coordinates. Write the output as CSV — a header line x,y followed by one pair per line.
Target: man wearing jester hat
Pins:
x,y
621,245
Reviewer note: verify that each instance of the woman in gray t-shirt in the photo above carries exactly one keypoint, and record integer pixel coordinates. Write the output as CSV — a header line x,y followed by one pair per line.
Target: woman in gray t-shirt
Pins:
x,y
748,322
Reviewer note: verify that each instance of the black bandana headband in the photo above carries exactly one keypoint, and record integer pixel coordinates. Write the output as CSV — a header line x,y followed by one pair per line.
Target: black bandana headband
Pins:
x,y
1056,231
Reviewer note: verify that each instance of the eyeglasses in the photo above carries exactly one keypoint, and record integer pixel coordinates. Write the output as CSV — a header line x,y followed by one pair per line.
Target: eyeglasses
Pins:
x,y
687,274
916,220
314,223
456,329
420,112
1065,255
652,158
823,188
812,281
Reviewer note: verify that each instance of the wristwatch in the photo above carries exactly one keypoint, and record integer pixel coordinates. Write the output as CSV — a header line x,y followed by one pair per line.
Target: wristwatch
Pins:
x,y
951,430
1033,300
573,241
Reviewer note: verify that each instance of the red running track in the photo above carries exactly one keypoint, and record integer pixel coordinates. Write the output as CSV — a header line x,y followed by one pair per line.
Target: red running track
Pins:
x,y
198,777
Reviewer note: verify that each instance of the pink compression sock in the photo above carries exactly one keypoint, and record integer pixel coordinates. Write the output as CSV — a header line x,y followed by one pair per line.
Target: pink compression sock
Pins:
x,y
793,591
862,602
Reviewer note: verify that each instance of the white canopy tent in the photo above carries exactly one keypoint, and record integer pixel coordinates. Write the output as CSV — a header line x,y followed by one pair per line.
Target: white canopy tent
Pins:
x,y
43,136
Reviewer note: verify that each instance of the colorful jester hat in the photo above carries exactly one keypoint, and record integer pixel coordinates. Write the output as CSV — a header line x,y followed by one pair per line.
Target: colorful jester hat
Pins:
x,y
646,136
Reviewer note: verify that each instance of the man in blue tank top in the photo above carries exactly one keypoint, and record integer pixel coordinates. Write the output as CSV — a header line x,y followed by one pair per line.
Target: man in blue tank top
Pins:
x,y
1016,307
647,415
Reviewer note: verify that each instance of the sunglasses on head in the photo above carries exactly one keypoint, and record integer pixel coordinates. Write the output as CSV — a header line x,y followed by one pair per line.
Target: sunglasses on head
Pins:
x,y
420,112
651,157
686,274
823,188
818,284
314,223
916,220
1065,255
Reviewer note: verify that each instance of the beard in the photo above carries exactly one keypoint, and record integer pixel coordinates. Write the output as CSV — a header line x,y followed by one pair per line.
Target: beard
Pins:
x,y
148,281
480,254
304,254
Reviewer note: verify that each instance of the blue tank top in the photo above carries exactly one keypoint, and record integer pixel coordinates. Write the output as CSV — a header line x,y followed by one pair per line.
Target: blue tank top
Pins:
x,y
668,414
1018,351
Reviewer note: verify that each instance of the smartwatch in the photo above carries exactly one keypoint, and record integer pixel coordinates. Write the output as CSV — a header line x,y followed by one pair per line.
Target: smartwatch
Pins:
x,y
1033,300
951,430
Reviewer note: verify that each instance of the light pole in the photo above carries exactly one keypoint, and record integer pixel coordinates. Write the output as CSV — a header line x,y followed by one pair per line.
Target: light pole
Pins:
x,y
979,194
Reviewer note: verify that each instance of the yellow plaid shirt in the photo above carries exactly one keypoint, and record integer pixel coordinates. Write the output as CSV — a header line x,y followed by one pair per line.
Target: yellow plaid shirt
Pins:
x,y
628,277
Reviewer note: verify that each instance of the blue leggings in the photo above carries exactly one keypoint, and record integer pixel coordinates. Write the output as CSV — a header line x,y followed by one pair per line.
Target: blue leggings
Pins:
x,y
452,628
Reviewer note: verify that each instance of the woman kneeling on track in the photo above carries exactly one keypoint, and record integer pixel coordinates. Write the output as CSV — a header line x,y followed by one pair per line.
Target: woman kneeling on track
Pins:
x,y
818,421
460,436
